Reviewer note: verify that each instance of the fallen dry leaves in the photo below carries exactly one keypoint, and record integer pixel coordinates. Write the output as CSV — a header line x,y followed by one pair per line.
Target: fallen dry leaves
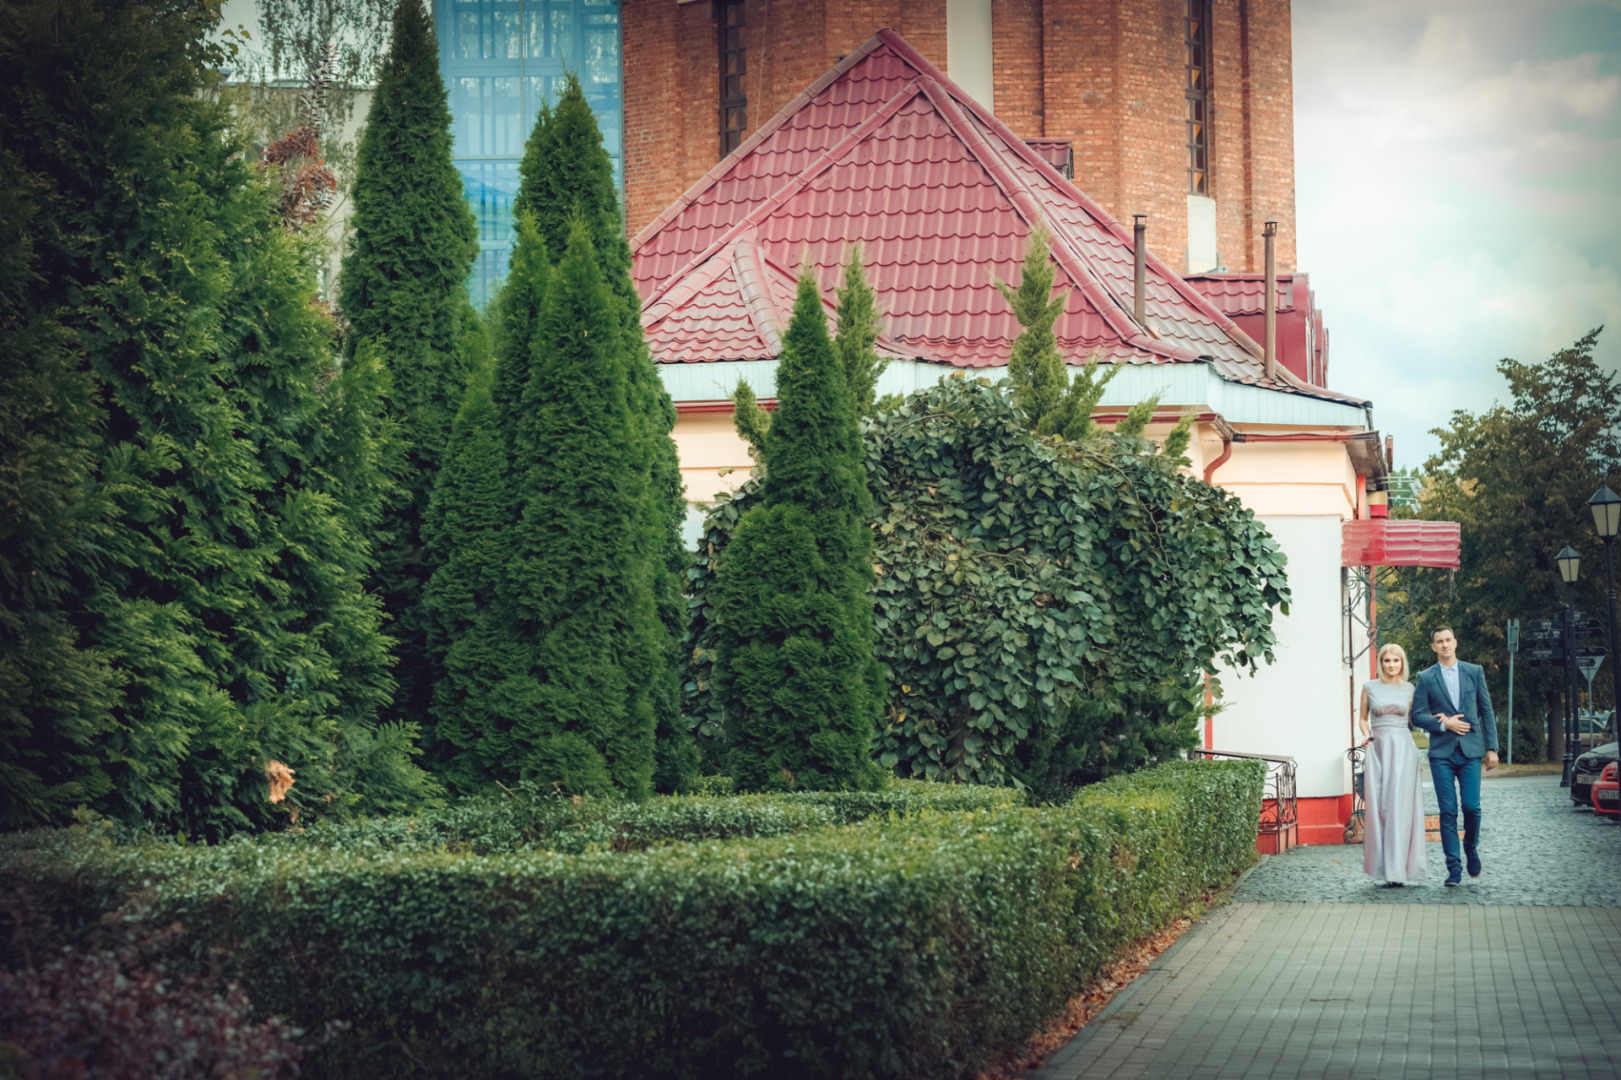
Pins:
x,y
1085,1006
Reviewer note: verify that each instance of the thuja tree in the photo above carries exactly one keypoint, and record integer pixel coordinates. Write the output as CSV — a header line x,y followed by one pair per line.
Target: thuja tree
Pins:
x,y
795,675
403,288
224,599
1053,403
566,175
55,694
559,690
1046,610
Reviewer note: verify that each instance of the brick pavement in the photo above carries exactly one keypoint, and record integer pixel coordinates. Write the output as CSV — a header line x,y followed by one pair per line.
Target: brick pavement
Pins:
x,y
1516,975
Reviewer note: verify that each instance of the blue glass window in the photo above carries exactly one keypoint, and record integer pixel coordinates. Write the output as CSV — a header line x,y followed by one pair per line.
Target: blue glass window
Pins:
x,y
500,59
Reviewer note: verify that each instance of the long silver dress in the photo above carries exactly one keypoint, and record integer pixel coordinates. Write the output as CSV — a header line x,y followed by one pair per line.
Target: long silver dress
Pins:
x,y
1393,832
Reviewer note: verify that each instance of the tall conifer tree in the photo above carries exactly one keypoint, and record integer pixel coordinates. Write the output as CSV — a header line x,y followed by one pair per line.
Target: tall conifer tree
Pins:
x,y
55,694
856,319
578,599
1042,388
566,173
226,599
794,668
403,286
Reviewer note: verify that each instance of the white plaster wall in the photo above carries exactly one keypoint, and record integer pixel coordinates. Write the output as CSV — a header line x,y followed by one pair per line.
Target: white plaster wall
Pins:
x,y
1300,706
968,48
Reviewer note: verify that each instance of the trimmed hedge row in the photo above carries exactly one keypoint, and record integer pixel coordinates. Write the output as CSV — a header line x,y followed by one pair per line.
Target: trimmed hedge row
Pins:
x,y
536,821
899,946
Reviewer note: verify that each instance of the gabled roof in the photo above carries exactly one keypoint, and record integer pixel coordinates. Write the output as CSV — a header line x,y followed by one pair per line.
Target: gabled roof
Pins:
x,y
886,152
1302,338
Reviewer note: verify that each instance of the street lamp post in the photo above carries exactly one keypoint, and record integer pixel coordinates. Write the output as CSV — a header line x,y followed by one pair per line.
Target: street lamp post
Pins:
x,y
1570,564
1606,507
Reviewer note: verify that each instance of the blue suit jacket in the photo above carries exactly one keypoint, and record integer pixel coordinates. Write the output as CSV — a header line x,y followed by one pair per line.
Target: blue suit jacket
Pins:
x,y
1430,697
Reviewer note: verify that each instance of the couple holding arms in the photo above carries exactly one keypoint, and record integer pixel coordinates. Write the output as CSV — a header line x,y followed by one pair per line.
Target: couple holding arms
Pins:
x,y
1451,703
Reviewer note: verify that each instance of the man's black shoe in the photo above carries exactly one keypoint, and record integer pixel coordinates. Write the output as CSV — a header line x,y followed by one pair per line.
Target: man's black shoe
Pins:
x,y
1474,863
1454,879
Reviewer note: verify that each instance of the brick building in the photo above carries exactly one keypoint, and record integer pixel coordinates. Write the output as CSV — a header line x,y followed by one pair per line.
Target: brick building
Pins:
x,y
1181,109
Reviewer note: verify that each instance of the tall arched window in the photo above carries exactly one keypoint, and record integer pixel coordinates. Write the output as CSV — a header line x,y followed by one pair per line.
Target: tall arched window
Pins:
x,y
734,101
1198,96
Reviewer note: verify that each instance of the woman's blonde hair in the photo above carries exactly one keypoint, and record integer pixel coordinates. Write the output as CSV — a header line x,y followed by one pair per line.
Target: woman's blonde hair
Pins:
x,y
1399,651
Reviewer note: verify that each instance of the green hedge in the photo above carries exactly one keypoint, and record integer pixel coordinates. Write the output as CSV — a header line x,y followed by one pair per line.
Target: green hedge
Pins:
x,y
898,946
536,821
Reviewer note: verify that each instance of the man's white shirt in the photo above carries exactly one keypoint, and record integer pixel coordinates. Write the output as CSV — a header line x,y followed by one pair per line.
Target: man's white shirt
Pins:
x,y
1449,676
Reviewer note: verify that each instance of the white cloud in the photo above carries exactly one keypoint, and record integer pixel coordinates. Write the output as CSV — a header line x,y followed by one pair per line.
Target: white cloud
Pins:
x,y
1457,199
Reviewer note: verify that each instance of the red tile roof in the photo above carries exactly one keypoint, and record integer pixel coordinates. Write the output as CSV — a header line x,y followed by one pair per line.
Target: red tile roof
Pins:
x,y
1302,338
886,152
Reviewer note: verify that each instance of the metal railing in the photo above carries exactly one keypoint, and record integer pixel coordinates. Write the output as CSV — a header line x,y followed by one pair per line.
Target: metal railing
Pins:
x,y
1280,811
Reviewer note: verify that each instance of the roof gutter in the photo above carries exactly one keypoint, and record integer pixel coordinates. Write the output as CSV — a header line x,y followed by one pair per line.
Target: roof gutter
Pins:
x,y
1367,458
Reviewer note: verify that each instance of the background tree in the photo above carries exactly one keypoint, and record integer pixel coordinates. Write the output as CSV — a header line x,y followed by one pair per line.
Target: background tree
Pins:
x,y
579,710
1054,403
794,666
473,517
566,174
225,597
1517,478
56,694
340,44
856,332
403,287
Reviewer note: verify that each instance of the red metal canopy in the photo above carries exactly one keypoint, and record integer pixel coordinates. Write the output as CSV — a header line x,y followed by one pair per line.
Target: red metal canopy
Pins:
x,y
1382,542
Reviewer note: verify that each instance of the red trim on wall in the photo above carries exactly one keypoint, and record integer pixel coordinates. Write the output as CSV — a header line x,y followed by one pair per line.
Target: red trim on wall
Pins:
x,y
1322,820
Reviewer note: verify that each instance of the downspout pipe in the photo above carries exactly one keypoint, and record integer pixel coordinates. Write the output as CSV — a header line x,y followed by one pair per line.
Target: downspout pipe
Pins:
x,y
1269,355
1225,430
1139,275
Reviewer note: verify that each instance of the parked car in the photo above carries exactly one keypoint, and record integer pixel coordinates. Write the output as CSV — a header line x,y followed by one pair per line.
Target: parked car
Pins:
x,y
1607,792
1588,768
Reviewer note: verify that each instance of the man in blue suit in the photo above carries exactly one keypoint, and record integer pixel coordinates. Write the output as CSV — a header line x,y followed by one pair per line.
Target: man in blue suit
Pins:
x,y
1452,704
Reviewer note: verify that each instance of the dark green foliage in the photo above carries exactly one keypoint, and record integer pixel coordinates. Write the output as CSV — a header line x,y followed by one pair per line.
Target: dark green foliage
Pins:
x,y
918,946
1052,403
403,287
794,668
1517,477
55,694
224,597
532,819
567,175
1046,611
554,647
472,513
856,332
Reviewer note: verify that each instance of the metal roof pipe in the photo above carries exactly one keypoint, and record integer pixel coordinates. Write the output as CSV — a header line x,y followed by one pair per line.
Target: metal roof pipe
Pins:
x,y
1269,355
1139,233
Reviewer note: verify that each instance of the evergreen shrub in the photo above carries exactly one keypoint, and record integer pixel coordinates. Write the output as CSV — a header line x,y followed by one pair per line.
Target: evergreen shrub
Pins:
x,y
897,947
532,820
794,667
1046,610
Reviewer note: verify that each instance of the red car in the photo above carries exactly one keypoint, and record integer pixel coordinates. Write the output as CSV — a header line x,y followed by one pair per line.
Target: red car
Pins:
x,y
1607,792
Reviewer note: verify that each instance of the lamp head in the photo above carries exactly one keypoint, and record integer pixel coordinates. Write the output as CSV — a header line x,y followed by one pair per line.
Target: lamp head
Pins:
x,y
1606,507
1570,564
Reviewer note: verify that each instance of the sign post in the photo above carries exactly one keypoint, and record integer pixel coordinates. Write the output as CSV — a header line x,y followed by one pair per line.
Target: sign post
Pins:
x,y
1589,665
1513,647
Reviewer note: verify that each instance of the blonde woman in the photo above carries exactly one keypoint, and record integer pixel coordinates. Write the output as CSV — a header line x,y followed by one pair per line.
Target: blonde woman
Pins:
x,y
1393,793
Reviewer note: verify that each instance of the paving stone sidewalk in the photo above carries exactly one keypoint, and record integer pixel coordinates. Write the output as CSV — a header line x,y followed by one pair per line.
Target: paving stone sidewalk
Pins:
x,y
1535,849
1314,972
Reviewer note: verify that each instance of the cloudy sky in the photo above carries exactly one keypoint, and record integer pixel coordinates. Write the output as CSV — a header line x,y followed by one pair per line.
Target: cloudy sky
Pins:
x,y
1458,193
